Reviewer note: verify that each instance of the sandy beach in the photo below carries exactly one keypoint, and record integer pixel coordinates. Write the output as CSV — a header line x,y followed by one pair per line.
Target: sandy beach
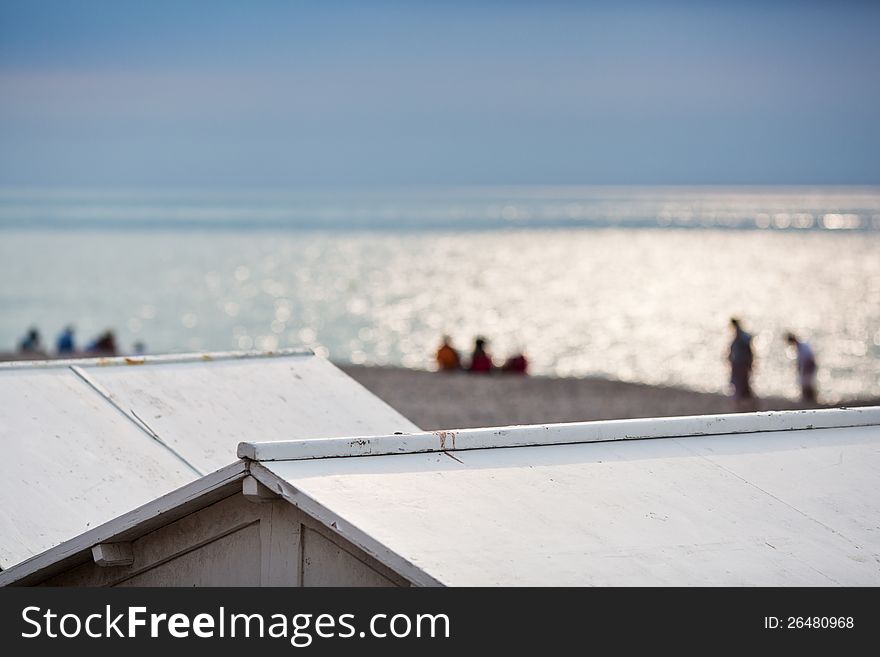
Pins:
x,y
459,400
436,400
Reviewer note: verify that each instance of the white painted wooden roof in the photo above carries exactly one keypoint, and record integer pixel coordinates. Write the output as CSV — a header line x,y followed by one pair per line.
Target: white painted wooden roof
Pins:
x,y
70,462
204,407
86,441
761,499
766,499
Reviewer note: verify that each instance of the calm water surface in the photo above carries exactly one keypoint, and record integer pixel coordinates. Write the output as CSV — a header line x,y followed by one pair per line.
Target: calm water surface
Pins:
x,y
636,285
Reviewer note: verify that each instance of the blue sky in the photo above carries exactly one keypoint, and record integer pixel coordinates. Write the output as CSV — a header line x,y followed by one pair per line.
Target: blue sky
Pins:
x,y
263,93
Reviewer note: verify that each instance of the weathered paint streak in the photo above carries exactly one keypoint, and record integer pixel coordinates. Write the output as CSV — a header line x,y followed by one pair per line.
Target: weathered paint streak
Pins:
x,y
443,435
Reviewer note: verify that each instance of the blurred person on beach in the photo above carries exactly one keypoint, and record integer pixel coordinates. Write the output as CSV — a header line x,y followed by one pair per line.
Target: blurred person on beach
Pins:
x,y
741,361
481,361
447,356
140,348
65,344
516,364
31,343
103,344
806,367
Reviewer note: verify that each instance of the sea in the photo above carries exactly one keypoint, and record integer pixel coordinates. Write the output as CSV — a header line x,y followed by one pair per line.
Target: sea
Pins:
x,y
630,283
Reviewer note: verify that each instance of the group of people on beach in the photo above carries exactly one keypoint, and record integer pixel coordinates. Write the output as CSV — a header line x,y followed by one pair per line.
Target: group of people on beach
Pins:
x,y
449,360
742,360
65,345
740,356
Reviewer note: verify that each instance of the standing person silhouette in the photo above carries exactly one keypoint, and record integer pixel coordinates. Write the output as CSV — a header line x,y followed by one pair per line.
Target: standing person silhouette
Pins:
x,y
741,361
806,368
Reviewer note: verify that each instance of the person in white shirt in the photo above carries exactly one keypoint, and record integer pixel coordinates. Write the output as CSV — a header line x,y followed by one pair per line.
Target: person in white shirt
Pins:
x,y
806,367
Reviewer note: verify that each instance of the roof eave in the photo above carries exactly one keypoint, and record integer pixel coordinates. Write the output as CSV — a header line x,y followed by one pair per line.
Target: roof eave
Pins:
x,y
163,510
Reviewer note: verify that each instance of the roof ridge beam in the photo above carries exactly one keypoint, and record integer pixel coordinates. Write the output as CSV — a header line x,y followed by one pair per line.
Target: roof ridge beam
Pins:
x,y
560,434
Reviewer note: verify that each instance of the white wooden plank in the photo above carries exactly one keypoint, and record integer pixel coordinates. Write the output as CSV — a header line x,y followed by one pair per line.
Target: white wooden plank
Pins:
x,y
253,491
559,434
112,554
153,359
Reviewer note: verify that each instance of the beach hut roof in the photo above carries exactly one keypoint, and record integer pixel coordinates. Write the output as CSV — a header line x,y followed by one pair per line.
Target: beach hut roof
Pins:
x,y
780,498
86,440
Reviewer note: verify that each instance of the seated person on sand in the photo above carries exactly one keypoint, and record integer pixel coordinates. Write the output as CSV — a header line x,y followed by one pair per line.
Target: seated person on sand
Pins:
x,y
447,356
104,344
481,361
65,343
31,342
516,364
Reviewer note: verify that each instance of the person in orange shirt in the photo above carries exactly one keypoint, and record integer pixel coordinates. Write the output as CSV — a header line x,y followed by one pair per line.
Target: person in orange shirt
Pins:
x,y
447,356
